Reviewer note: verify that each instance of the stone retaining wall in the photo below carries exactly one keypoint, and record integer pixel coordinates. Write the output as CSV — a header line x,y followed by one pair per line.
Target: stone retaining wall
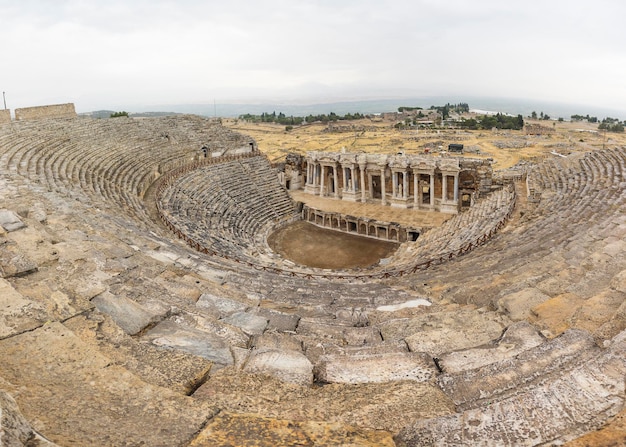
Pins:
x,y
5,116
49,111
362,226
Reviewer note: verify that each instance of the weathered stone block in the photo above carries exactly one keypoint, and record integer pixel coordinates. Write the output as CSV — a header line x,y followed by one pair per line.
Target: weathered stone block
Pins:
x,y
17,314
14,262
127,314
10,221
280,321
233,429
78,396
517,338
219,307
249,323
170,335
375,368
518,305
288,366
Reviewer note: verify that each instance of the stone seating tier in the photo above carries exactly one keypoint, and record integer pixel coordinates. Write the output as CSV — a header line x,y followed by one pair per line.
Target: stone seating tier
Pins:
x,y
149,322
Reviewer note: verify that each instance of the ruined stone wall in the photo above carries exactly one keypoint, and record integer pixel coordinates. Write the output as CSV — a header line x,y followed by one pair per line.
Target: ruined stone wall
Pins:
x,y
294,169
49,111
5,116
482,171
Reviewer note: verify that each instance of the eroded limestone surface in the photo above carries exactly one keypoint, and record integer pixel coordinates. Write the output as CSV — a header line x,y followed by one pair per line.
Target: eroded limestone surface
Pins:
x,y
89,400
114,332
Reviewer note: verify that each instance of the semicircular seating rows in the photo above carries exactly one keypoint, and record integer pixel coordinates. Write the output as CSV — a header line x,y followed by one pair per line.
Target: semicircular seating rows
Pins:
x,y
517,341
230,207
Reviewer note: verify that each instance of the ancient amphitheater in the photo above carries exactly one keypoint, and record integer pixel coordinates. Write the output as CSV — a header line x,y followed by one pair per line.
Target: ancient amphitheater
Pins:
x,y
140,304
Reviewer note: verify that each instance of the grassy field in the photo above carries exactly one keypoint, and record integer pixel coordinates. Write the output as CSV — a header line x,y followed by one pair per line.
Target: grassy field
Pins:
x,y
506,148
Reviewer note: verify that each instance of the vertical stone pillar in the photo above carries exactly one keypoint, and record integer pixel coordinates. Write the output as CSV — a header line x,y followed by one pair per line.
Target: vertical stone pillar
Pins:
x,y
353,183
363,192
417,191
318,175
405,187
308,172
336,181
383,193
394,181
444,187
432,191
323,181
456,187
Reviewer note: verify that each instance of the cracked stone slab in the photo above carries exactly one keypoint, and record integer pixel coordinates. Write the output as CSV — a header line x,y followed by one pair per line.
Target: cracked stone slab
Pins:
x,y
249,323
17,314
518,305
496,379
170,335
369,368
287,366
173,369
447,331
239,429
10,221
15,430
127,314
517,338
280,321
74,395
373,405
560,408
219,307
14,262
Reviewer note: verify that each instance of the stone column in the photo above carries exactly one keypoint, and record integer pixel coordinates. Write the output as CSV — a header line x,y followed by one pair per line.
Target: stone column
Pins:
x,y
336,181
405,187
354,184
323,181
394,180
432,190
363,192
444,187
456,187
417,192
383,193
308,172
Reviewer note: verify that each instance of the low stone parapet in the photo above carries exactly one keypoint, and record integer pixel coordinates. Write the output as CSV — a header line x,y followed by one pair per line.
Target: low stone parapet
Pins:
x,y
5,116
42,112
361,226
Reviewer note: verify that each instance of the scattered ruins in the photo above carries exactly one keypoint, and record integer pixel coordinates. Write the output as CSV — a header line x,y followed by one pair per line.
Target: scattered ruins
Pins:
x,y
140,303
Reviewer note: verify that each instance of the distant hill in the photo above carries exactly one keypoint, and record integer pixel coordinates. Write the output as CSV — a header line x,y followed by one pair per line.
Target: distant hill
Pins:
x,y
107,114
510,106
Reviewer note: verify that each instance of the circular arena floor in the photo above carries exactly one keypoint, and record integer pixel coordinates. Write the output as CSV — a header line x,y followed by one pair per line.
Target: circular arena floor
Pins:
x,y
307,244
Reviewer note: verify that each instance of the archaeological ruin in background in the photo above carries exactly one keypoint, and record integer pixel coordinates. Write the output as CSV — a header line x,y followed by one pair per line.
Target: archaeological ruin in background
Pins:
x,y
424,182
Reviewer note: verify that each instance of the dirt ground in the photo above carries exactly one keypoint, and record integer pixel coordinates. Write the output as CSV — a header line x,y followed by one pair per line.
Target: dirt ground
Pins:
x,y
506,148
306,244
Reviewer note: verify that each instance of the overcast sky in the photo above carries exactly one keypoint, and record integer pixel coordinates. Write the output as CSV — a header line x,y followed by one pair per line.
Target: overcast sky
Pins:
x,y
120,54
